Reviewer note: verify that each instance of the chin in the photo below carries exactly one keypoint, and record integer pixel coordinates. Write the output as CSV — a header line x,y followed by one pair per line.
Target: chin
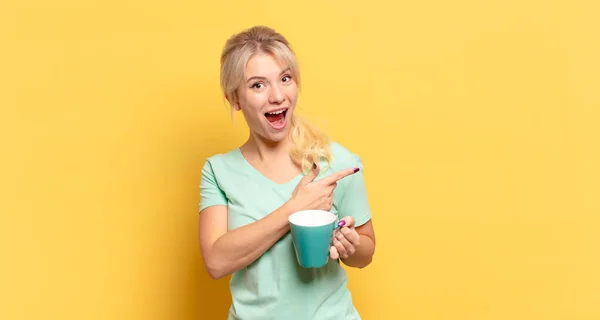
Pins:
x,y
277,136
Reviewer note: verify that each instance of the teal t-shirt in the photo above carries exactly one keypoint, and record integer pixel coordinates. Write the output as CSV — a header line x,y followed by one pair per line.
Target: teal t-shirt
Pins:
x,y
275,286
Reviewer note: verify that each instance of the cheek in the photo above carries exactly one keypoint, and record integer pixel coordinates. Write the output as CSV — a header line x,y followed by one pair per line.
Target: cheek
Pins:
x,y
292,93
253,102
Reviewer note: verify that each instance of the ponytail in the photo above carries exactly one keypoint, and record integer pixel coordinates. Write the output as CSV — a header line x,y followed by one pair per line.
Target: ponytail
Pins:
x,y
311,145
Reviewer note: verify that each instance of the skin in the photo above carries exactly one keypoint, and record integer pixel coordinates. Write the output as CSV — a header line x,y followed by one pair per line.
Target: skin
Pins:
x,y
269,86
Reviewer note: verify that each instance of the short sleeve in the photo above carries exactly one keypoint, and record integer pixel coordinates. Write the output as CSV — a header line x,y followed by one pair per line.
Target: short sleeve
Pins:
x,y
354,201
210,193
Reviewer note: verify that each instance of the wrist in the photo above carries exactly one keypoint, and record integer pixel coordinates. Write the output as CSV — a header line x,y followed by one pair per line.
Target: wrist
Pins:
x,y
290,207
282,214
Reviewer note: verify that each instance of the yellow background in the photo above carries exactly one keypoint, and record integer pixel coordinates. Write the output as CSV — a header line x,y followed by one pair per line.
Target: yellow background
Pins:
x,y
478,123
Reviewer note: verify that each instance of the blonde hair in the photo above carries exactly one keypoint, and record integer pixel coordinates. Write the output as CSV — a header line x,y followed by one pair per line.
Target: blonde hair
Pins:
x,y
311,145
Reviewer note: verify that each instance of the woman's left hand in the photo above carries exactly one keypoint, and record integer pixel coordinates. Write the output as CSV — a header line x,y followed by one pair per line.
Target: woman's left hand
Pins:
x,y
345,240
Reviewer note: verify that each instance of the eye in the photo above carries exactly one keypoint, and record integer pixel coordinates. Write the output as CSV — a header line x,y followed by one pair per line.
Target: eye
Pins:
x,y
286,78
257,85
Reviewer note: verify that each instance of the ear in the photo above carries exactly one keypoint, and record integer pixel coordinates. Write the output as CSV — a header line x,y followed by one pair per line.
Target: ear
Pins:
x,y
236,105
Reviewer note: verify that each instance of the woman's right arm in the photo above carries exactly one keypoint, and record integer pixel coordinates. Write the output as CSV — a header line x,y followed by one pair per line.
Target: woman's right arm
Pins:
x,y
227,252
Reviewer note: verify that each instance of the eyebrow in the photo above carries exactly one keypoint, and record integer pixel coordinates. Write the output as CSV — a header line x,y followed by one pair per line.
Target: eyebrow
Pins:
x,y
263,78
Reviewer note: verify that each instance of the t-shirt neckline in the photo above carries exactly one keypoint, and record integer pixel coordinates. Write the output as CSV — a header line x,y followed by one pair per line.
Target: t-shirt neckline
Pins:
x,y
263,177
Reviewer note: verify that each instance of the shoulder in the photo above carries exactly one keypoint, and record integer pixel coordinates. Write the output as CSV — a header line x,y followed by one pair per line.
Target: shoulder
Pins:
x,y
226,156
221,161
342,157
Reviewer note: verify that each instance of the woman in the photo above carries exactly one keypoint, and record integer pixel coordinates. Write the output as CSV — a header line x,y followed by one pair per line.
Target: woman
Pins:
x,y
285,166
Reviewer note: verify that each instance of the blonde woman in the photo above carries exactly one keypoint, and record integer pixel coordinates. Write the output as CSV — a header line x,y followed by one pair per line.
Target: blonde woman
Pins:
x,y
286,165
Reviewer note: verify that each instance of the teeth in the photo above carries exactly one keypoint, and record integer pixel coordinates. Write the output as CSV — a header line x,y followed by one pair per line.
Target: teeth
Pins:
x,y
276,112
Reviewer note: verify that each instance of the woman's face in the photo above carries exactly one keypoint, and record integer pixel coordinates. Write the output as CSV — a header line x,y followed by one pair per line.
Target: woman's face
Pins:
x,y
268,97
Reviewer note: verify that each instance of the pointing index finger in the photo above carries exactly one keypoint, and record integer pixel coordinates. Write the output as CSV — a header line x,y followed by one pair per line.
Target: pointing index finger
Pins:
x,y
339,175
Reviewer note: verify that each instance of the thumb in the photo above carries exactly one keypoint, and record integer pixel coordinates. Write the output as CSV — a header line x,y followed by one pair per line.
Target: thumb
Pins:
x,y
346,221
311,175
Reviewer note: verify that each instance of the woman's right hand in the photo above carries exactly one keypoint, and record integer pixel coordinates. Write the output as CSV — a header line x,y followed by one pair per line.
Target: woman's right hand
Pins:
x,y
317,195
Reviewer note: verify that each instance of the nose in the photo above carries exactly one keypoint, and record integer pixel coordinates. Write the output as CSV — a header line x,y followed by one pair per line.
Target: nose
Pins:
x,y
276,95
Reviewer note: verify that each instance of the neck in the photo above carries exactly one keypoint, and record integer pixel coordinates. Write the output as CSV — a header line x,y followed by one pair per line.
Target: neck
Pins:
x,y
265,150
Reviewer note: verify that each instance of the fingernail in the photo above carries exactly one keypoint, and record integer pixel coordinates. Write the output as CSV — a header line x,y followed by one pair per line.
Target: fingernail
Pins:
x,y
314,165
356,170
341,223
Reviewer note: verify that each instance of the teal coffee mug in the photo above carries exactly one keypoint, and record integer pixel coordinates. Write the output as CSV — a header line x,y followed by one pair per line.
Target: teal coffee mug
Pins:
x,y
312,232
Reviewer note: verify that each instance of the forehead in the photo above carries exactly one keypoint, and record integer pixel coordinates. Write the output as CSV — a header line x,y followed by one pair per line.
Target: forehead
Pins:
x,y
264,65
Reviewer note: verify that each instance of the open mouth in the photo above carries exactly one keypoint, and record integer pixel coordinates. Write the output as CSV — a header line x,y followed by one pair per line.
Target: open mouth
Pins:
x,y
277,118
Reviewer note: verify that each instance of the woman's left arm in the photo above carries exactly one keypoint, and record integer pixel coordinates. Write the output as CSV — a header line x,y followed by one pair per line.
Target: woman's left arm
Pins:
x,y
355,246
